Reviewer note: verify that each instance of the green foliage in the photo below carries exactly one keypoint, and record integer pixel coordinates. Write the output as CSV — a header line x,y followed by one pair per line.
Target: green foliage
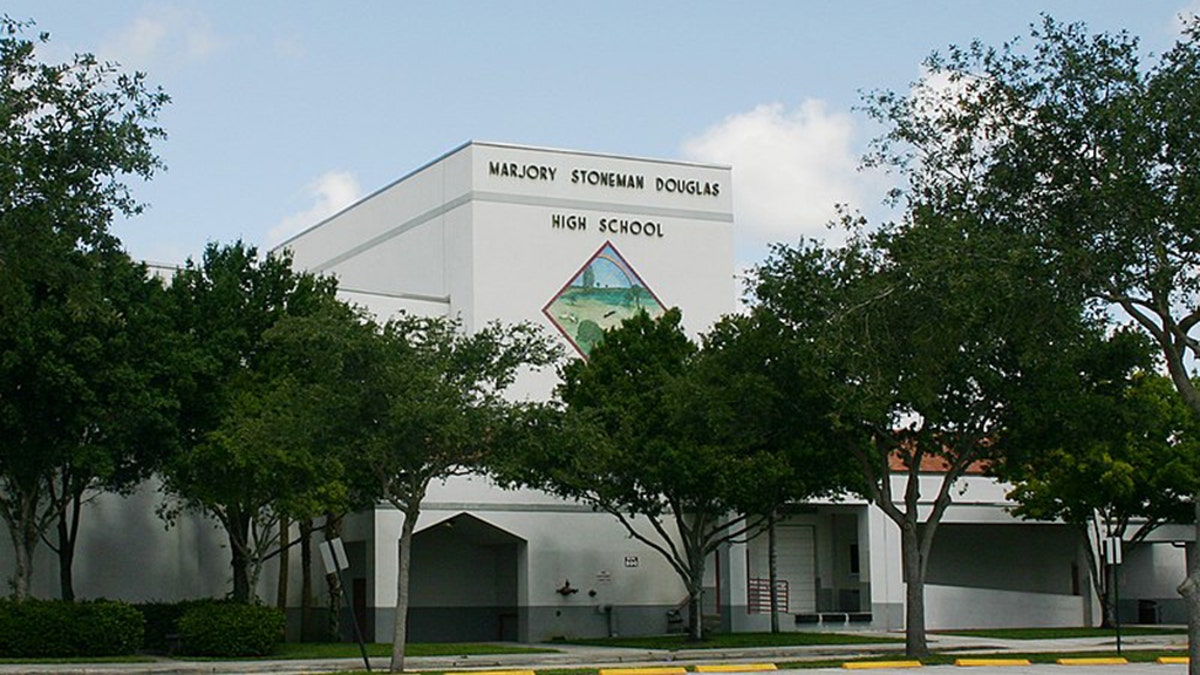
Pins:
x,y
706,441
1134,456
162,622
1081,153
81,347
945,330
52,628
71,134
252,451
433,405
1086,149
230,629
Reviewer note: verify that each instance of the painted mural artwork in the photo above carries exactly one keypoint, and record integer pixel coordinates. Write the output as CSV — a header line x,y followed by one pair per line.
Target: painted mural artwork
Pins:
x,y
602,294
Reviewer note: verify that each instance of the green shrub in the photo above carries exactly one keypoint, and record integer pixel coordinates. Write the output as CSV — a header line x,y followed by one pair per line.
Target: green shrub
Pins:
x,y
52,628
228,629
162,622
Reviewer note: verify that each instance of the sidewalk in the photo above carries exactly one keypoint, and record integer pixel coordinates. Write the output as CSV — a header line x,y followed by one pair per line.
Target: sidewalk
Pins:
x,y
572,656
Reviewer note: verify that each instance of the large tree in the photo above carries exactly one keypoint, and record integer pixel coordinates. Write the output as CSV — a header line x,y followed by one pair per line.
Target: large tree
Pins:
x,y
311,388
433,405
1091,149
1119,458
71,135
242,401
127,405
699,444
762,395
928,327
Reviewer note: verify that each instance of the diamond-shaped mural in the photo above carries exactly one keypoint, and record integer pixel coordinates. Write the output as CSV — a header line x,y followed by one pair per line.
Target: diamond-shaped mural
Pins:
x,y
602,294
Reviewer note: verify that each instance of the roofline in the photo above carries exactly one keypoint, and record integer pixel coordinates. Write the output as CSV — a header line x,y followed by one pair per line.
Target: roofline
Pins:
x,y
606,155
491,144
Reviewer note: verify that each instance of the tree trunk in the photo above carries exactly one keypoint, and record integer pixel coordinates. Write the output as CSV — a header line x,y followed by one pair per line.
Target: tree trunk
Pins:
x,y
772,573
239,534
68,534
1190,590
915,645
281,590
695,587
400,635
306,596
24,542
23,531
1096,576
333,581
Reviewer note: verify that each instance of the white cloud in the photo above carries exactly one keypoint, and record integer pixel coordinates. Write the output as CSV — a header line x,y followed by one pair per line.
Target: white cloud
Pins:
x,y
162,35
330,193
790,169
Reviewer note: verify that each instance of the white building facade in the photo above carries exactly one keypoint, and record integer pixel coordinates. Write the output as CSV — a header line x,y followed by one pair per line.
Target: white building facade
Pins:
x,y
574,242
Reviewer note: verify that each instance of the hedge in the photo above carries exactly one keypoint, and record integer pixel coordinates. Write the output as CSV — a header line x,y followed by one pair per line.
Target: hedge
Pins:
x,y
162,622
229,629
53,628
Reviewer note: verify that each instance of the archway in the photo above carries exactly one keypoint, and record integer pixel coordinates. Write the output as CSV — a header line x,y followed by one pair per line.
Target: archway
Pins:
x,y
466,579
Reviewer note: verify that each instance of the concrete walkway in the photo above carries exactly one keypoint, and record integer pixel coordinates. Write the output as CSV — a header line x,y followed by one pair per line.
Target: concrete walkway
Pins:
x,y
572,656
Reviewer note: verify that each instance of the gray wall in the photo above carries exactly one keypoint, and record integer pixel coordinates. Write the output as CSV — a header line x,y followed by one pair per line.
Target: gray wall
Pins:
x,y
1019,557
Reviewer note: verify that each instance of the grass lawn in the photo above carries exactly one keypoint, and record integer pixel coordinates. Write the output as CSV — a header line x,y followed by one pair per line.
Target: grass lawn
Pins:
x,y
1055,633
349,650
729,640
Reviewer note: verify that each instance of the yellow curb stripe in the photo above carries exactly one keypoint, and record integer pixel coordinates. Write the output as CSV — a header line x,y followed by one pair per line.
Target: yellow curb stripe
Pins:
x,y
736,668
491,672
1095,661
968,663
1172,659
873,665
666,670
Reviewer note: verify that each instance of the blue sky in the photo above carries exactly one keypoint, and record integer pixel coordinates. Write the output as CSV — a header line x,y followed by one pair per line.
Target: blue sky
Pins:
x,y
284,112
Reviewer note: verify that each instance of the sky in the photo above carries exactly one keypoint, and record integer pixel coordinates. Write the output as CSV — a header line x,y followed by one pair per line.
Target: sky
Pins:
x,y
283,113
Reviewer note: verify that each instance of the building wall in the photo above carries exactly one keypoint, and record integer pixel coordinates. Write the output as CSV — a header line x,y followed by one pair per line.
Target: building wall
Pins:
x,y
125,551
967,607
1148,578
495,232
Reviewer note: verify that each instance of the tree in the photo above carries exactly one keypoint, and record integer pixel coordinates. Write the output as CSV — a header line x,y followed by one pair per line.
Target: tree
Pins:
x,y
127,406
929,328
433,406
762,395
1128,473
244,402
1091,151
317,366
71,134
656,430
1094,458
